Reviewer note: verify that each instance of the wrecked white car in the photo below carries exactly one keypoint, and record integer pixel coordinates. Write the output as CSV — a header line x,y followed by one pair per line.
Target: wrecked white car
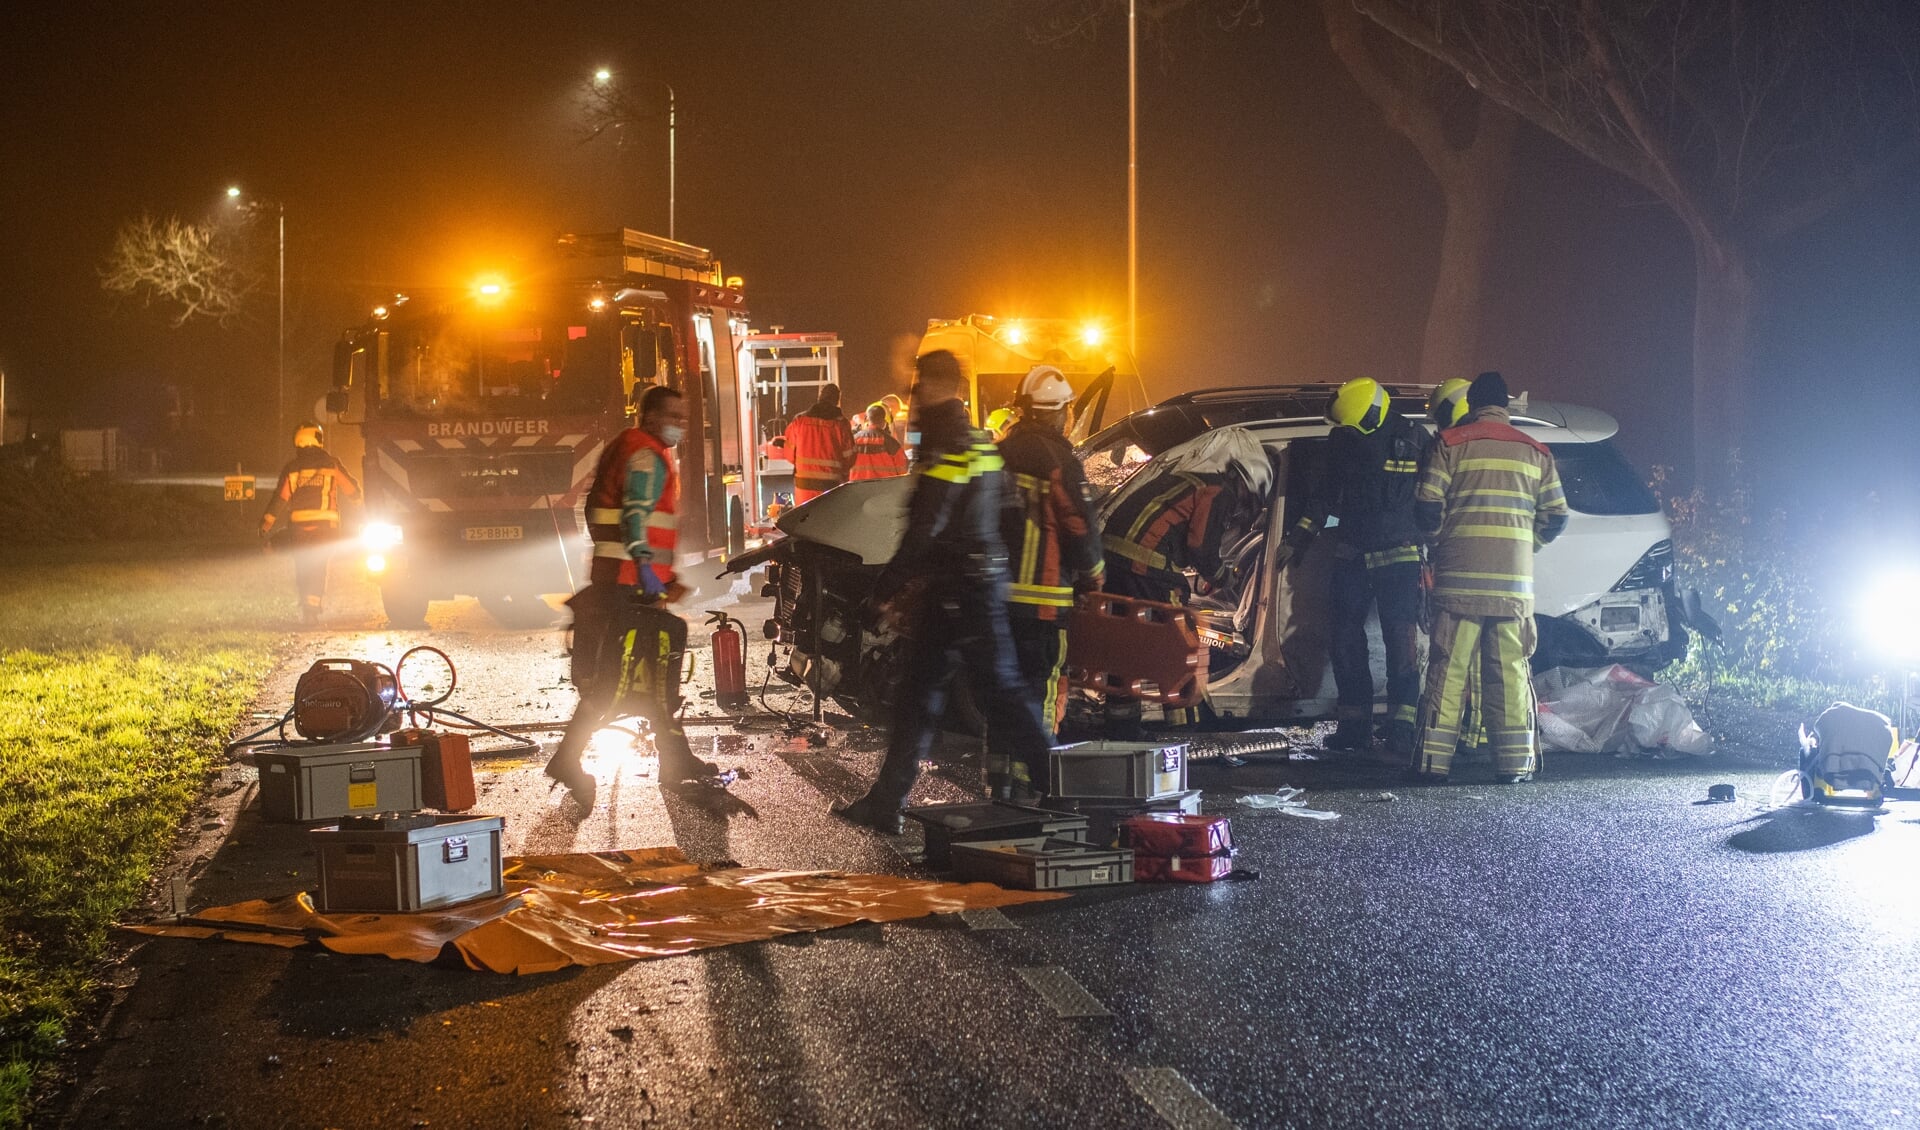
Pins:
x,y
1604,590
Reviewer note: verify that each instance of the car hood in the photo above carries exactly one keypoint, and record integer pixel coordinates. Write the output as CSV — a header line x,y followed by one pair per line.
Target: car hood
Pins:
x,y
865,518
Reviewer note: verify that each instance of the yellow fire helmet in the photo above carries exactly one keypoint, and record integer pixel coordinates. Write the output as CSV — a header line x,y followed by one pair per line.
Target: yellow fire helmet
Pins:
x,y
999,420
309,435
1448,404
1360,404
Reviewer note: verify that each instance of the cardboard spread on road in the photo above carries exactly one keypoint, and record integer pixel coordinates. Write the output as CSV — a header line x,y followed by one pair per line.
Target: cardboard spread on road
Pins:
x,y
601,907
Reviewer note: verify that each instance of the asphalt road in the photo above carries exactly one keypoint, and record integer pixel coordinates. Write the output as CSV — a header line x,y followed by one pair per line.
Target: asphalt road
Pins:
x,y
1594,949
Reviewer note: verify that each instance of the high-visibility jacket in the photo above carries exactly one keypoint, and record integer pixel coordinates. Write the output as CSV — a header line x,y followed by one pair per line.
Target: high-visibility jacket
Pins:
x,y
820,443
953,516
877,455
1368,481
1048,522
633,512
1176,524
1492,497
312,486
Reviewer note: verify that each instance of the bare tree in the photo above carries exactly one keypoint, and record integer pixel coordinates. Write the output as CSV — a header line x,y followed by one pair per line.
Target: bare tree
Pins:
x,y
1465,141
193,270
1749,119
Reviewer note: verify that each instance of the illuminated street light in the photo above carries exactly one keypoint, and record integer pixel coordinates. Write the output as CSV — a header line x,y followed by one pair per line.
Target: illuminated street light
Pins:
x,y
489,290
602,77
280,342
1092,334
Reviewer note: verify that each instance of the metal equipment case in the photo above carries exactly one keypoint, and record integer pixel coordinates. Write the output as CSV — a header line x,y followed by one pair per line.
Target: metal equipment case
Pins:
x,y
1139,771
408,863
1037,863
302,784
950,824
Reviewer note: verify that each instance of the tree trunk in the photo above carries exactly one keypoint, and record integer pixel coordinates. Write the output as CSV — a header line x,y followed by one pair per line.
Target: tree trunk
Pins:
x,y
1722,322
1474,187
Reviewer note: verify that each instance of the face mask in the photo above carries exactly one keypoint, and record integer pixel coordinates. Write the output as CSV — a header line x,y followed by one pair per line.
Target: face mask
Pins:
x,y
672,434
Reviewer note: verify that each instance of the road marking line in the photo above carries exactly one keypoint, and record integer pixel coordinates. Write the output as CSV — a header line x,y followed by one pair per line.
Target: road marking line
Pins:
x,y
1058,988
1173,1098
987,918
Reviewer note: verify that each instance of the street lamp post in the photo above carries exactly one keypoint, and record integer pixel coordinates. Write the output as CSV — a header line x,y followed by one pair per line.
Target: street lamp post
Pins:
x,y
280,296
602,77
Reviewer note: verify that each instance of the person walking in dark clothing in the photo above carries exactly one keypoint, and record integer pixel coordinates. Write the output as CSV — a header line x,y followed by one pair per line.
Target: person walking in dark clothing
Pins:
x,y
954,549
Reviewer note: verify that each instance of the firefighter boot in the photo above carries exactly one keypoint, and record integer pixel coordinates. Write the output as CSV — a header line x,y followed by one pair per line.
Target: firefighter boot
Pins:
x,y
871,812
1352,735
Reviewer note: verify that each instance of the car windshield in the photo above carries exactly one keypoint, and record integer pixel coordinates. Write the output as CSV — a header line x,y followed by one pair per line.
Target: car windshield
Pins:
x,y
1599,480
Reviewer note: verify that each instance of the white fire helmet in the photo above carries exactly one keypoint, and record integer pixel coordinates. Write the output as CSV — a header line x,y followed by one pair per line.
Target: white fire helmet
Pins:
x,y
1045,388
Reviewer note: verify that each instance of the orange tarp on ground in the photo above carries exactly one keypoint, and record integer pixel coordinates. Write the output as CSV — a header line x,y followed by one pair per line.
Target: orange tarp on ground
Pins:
x,y
600,907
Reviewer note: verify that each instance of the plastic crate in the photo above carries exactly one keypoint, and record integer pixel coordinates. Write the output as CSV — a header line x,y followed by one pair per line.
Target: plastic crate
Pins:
x,y
1104,816
949,824
1040,863
408,863
1107,770
302,784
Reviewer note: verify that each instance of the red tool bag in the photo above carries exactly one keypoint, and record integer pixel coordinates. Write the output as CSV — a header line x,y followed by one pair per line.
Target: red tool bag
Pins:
x,y
1172,847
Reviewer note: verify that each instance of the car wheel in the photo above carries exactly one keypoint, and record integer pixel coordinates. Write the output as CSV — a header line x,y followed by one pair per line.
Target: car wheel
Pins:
x,y
405,605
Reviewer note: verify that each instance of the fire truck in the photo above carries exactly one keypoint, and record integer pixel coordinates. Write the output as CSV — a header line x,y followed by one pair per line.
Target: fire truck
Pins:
x,y
481,413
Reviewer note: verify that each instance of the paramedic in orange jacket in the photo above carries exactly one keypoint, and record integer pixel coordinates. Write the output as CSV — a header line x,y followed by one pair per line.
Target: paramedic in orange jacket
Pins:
x,y
876,454
820,443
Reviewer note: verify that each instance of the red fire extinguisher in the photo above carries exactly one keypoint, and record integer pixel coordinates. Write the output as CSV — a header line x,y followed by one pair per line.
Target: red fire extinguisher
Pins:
x,y
729,661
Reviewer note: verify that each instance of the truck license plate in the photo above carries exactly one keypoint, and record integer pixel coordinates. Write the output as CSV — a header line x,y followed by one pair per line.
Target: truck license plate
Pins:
x,y
491,533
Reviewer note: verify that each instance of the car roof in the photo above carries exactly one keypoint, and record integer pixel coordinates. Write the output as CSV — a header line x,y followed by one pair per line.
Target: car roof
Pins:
x,y
1299,409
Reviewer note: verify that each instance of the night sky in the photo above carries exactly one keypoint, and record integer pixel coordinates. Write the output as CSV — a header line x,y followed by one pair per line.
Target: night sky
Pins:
x,y
867,165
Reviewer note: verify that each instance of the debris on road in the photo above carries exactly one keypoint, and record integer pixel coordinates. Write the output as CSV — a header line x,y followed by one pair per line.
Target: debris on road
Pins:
x,y
1288,801
1613,710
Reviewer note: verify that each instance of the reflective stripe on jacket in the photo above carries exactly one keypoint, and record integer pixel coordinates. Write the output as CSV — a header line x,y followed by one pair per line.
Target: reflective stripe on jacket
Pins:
x,y
1176,524
633,512
311,488
1049,524
1498,499
953,516
876,455
821,448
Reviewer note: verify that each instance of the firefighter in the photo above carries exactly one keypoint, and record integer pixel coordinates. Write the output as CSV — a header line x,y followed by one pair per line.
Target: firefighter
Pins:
x,y
627,648
1367,481
1052,534
820,443
1446,407
1490,496
897,416
998,422
1157,532
953,553
312,486
876,454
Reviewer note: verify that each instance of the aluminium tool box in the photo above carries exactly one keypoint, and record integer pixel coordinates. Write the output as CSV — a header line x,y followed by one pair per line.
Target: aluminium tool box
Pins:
x,y
1041,863
305,783
406,863
1177,847
949,824
1119,771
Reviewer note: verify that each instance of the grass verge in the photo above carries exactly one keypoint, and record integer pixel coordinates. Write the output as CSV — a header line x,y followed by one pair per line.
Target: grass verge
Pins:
x,y
122,680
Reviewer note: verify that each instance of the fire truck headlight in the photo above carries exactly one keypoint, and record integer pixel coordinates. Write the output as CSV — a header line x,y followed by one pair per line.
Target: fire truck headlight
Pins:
x,y
376,563
1092,334
381,536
